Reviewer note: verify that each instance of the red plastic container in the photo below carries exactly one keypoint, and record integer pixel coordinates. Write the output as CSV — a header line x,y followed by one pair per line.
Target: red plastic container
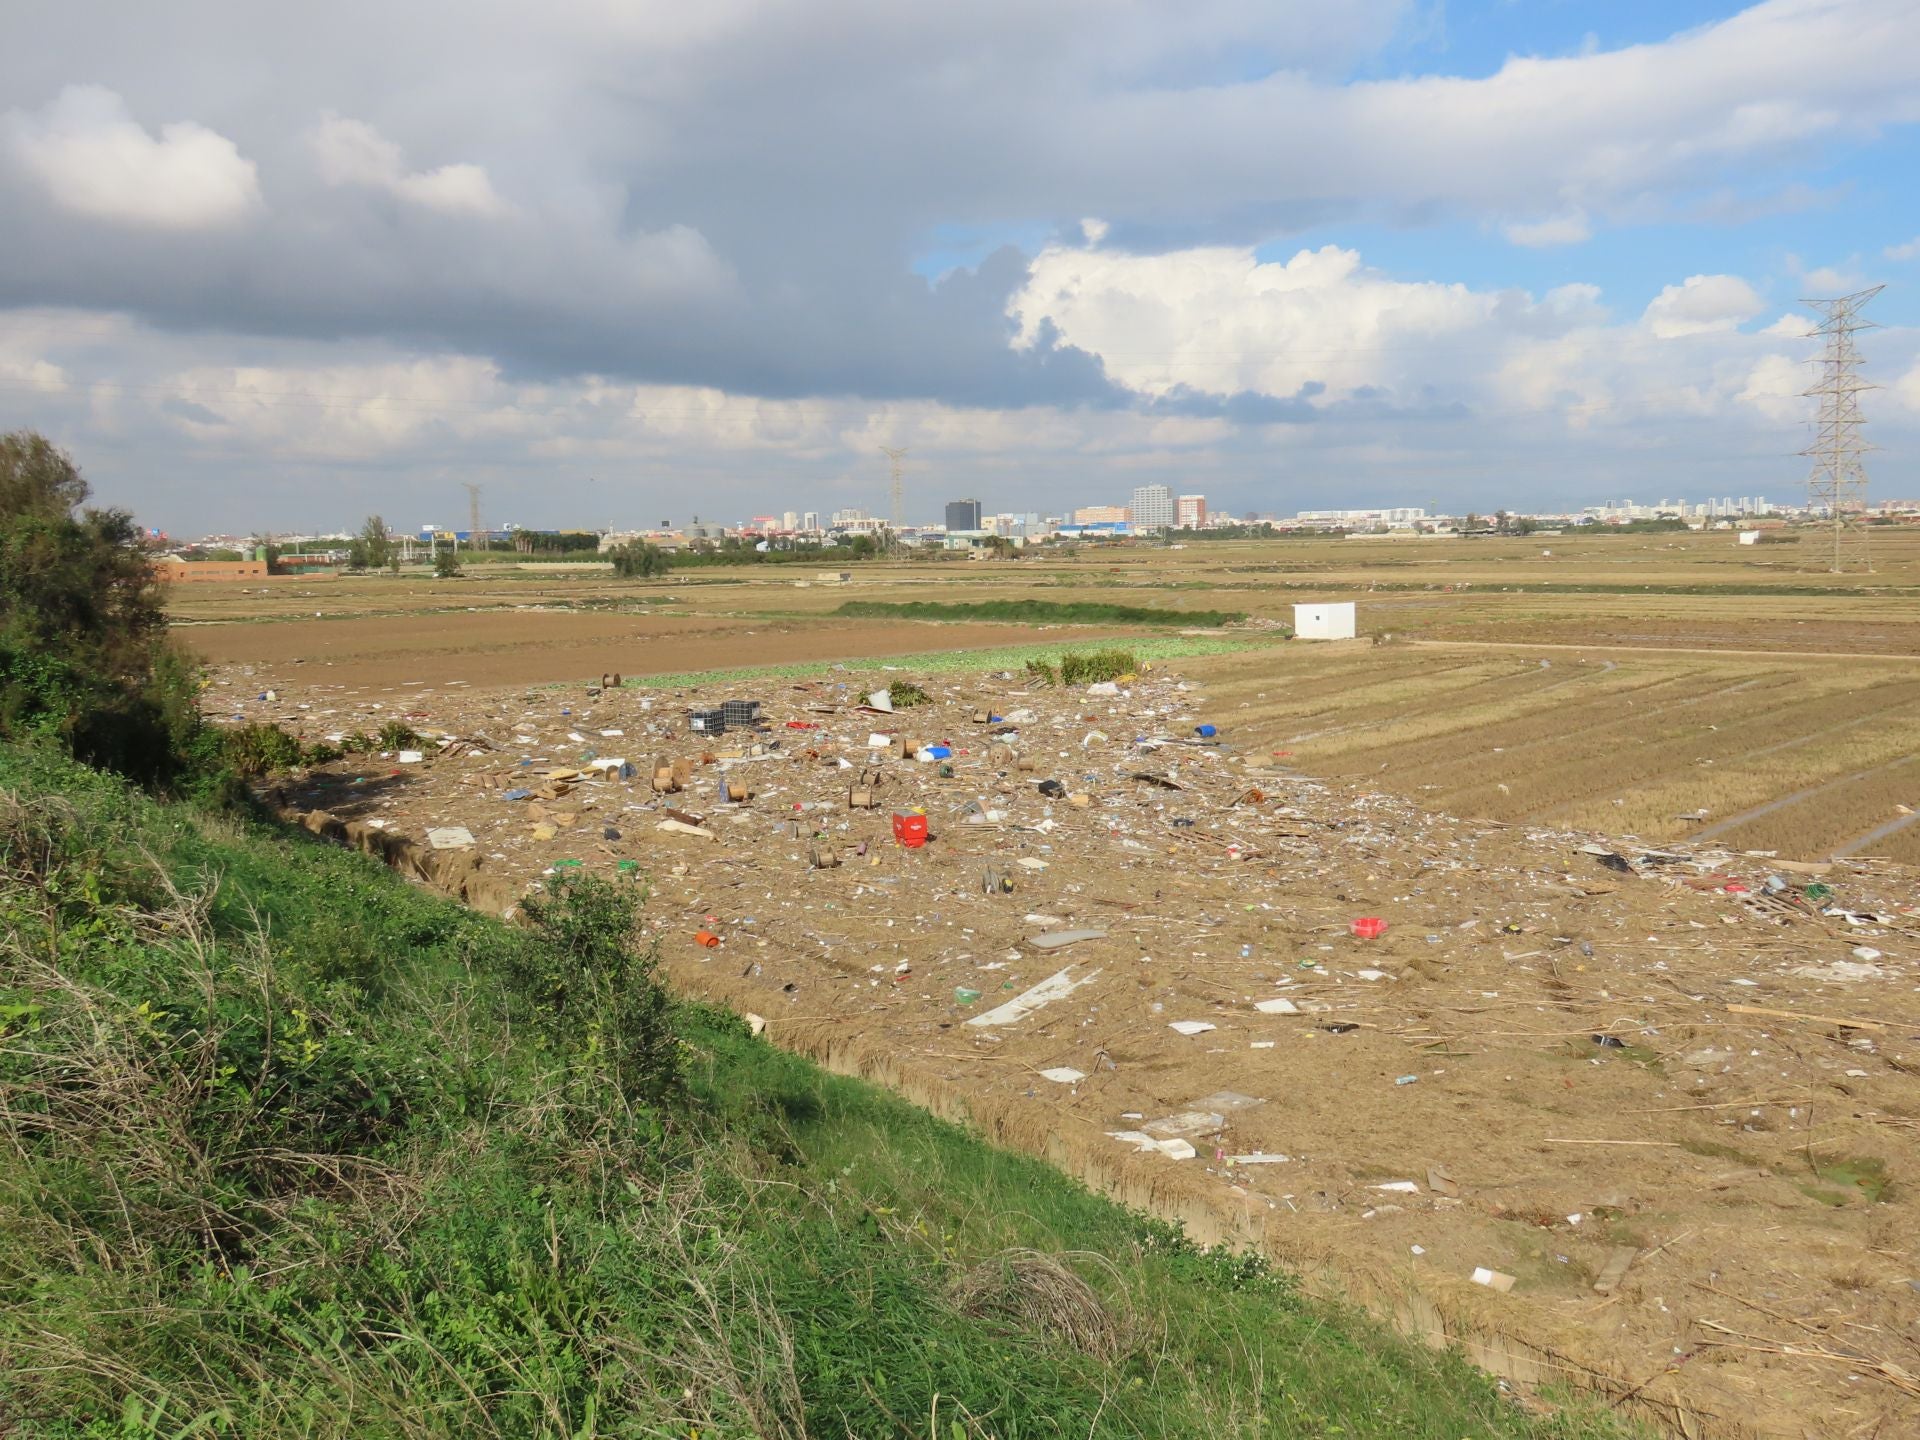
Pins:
x,y
1368,927
910,830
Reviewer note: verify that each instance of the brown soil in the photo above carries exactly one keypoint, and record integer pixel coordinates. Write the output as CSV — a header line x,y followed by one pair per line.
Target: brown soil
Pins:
x,y
1770,637
541,647
1735,1156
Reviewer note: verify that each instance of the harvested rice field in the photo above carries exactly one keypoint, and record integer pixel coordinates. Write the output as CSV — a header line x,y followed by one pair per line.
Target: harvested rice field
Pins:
x,y
1806,755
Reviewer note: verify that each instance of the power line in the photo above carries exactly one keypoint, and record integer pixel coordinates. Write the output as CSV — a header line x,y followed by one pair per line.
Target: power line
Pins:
x,y
1839,478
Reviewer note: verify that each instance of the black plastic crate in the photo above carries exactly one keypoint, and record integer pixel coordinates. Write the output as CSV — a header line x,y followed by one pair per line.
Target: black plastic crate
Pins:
x,y
740,712
707,722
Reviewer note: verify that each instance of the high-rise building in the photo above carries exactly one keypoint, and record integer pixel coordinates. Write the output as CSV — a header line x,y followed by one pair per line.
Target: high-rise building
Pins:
x,y
1193,512
1102,515
963,515
1153,507
790,521
810,520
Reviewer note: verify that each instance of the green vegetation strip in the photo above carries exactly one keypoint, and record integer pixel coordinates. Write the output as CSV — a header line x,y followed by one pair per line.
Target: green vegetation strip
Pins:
x,y
297,1149
1002,657
1037,612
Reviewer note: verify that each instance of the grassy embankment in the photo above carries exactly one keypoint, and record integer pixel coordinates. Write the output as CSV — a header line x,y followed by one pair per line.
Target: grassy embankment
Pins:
x,y
1037,612
294,1148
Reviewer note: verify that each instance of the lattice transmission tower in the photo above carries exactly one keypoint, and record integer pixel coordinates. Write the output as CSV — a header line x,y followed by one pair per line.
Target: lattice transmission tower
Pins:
x,y
896,495
1838,483
475,537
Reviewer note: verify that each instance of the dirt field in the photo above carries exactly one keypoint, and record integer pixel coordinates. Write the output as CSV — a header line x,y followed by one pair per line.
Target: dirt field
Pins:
x,y
1541,1069
539,647
1728,718
1806,755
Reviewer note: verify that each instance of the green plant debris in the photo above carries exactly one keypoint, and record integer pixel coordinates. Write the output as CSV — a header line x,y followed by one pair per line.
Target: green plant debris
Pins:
x,y
905,695
1100,665
1850,1180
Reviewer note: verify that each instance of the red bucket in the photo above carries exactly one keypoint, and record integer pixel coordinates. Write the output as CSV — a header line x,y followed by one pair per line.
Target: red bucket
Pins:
x,y
1369,927
910,830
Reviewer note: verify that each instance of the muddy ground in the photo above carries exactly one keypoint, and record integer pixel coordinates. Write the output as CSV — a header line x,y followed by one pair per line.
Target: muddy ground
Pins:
x,y
1664,1108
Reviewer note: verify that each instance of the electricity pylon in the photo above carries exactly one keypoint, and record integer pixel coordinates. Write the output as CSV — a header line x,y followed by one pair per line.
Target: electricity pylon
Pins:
x,y
896,517
1839,478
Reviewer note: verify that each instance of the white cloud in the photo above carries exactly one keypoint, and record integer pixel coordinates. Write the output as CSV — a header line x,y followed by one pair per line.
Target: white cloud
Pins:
x,y
1831,280
1908,251
1775,387
94,159
352,152
1570,228
1906,390
1219,320
1702,305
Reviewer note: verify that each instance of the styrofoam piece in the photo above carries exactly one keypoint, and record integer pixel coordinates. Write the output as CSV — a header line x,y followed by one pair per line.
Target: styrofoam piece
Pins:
x,y
1056,986
1060,938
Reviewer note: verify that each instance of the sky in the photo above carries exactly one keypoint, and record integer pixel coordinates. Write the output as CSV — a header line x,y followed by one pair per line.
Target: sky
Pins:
x,y
625,261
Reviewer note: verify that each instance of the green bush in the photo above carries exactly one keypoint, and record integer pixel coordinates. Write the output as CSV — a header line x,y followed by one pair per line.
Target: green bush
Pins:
x,y
255,750
589,984
84,656
639,560
1076,669
905,695
1041,672
395,735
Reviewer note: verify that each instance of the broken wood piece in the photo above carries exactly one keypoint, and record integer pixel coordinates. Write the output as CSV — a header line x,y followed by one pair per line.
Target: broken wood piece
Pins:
x,y
679,827
1615,1270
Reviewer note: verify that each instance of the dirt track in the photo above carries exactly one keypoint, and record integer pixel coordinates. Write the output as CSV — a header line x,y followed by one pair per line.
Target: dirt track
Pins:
x,y
533,647
1436,1101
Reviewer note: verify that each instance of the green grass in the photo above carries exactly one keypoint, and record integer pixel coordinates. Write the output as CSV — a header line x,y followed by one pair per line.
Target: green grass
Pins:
x,y
1037,612
933,662
294,1148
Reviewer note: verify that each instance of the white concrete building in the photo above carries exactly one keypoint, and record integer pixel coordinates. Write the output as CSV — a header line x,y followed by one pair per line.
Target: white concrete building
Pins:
x,y
1154,507
1324,622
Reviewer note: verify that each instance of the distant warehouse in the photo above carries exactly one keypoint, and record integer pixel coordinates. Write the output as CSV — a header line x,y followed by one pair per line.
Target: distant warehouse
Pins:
x,y
175,572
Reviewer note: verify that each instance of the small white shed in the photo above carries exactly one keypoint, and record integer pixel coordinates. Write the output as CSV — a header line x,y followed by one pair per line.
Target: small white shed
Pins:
x,y
1323,622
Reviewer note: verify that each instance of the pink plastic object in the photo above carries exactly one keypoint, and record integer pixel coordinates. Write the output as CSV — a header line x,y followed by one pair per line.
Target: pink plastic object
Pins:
x,y
1369,927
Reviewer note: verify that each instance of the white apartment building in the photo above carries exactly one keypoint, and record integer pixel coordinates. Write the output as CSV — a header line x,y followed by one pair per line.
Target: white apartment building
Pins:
x,y
1154,507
